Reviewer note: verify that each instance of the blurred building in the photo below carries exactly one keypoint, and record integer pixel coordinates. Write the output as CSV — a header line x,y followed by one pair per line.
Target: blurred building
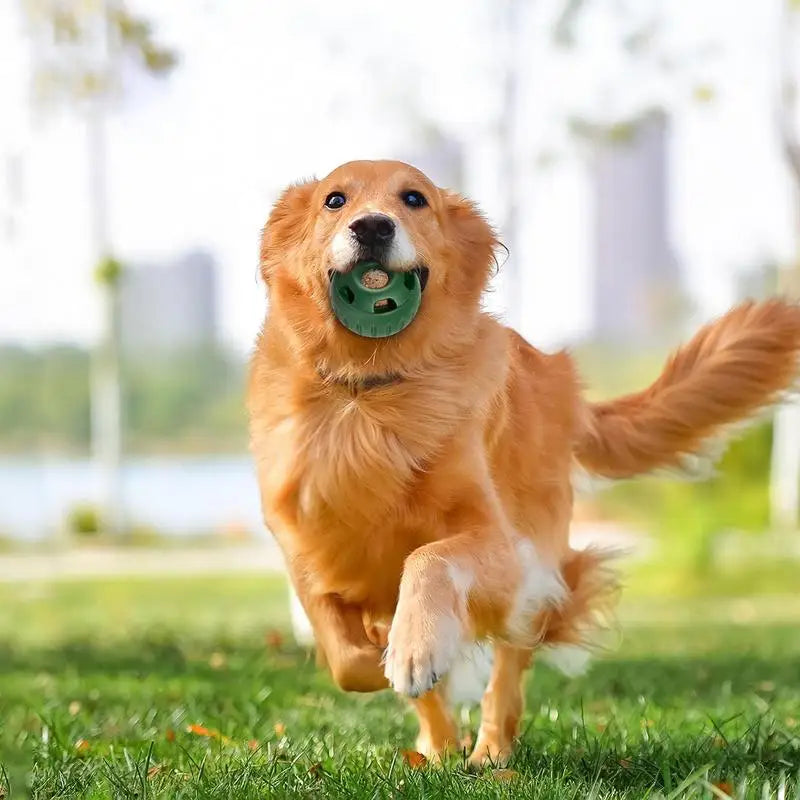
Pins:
x,y
169,306
637,283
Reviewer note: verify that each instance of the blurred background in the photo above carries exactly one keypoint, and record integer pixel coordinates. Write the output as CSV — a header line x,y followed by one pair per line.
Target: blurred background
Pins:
x,y
640,159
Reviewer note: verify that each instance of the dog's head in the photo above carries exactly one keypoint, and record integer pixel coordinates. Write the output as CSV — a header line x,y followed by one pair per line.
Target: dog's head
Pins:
x,y
383,211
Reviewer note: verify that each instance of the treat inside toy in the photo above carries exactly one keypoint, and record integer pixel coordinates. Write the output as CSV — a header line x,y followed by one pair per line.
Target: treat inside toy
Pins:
x,y
373,301
374,278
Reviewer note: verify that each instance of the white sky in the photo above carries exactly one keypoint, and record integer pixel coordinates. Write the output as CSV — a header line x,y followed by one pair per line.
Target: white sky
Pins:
x,y
266,93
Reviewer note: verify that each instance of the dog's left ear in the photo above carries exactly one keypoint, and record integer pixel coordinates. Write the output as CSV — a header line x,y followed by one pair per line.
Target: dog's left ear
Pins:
x,y
473,238
288,225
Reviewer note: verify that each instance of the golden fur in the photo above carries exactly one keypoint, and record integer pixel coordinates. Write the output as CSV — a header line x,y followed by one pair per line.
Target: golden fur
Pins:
x,y
434,506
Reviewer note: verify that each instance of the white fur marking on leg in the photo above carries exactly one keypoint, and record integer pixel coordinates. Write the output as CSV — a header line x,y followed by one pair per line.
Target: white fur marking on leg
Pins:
x,y
462,580
541,586
470,673
420,654
571,659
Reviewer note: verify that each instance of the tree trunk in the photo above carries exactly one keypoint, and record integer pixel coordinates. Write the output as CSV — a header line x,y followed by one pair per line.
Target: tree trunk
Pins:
x,y
105,379
785,472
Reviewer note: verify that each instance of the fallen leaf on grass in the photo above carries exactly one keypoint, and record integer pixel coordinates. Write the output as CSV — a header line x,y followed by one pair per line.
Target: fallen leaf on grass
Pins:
x,y
154,770
625,763
81,745
170,735
74,708
724,786
504,775
200,730
280,729
414,759
274,639
315,770
254,744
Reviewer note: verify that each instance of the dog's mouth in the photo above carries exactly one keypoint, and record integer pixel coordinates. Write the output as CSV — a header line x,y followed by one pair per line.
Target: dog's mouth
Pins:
x,y
421,270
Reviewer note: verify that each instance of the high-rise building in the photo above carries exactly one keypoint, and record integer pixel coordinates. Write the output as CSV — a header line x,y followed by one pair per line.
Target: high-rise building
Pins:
x,y
169,306
637,286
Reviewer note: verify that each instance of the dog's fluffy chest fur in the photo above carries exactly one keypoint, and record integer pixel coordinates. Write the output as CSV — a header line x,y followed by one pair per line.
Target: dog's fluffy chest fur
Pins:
x,y
341,475
352,482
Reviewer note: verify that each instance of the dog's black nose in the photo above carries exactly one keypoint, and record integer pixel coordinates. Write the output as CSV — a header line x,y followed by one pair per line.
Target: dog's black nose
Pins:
x,y
373,229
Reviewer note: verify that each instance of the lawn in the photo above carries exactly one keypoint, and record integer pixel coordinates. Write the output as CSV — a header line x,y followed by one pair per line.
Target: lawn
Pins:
x,y
193,689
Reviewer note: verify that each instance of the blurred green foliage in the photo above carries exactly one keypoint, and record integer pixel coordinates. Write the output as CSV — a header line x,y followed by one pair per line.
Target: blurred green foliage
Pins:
x,y
44,398
192,400
686,517
182,402
84,520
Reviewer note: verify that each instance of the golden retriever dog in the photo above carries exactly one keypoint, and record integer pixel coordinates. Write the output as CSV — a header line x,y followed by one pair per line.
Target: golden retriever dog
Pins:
x,y
420,484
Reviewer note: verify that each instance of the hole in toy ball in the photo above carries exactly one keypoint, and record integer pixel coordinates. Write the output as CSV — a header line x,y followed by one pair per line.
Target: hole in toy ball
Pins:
x,y
382,306
374,279
408,280
346,293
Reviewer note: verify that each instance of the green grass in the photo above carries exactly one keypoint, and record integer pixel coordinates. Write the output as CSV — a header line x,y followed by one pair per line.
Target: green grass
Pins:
x,y
100,680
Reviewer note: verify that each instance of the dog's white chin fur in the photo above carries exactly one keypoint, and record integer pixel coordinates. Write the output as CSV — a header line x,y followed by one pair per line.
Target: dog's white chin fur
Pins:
x,y
401,255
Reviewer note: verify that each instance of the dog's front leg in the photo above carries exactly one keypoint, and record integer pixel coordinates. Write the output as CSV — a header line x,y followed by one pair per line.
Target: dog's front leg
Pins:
x,y
456,588
354,660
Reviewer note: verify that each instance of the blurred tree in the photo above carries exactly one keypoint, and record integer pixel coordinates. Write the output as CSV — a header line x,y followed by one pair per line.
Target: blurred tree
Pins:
x,y
640,41
622,110
80,54
192,400
511,33
187,401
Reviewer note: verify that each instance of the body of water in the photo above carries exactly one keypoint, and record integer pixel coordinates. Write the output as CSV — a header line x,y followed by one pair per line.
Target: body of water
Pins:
x,y
179,496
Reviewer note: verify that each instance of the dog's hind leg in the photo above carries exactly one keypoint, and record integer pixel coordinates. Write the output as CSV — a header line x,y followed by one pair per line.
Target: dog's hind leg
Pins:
x,y
501,706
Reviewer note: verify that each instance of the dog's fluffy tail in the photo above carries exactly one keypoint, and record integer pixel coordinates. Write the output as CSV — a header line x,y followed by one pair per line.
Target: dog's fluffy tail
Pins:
x,y
732,369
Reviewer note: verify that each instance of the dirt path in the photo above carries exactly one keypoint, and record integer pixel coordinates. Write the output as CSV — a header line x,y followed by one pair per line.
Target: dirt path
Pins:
x,y
101,562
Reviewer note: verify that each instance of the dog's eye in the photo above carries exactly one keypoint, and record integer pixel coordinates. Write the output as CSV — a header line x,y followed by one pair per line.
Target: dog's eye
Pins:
x,y
414,199
335,200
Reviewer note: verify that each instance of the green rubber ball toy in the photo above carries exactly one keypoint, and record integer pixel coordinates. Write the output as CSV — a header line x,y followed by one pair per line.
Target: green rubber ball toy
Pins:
x,y
375,302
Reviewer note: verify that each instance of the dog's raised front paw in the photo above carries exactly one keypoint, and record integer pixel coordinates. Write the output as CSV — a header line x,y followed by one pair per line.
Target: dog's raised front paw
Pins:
x,y
422,647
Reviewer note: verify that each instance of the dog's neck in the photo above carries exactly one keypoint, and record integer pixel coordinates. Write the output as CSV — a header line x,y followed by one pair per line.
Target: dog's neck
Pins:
x,y
357,384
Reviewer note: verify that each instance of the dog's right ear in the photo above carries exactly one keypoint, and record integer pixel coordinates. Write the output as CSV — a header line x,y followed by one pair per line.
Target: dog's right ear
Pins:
x,y
288,226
